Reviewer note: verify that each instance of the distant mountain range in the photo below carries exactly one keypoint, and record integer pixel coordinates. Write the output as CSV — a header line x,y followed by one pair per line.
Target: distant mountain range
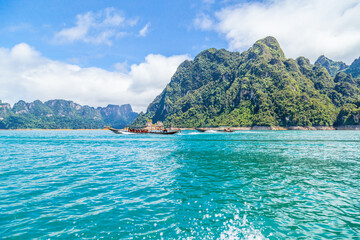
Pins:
x,y
259,87
62,114
336,67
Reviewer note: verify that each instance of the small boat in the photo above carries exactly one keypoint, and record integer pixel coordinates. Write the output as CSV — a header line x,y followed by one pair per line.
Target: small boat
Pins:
x,y
117,131
201,129
142,131
227,129
164,132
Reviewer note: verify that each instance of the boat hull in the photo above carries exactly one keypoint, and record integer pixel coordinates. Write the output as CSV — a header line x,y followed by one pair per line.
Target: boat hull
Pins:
x,y
201,129
214,130
116,131
168,132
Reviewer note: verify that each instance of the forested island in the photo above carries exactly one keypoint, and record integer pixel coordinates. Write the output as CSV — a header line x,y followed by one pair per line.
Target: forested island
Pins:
x,y
259,87
62,114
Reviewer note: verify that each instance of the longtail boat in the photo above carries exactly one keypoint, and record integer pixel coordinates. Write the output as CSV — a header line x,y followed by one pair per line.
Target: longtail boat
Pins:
x,y
142,131
224,129
201,129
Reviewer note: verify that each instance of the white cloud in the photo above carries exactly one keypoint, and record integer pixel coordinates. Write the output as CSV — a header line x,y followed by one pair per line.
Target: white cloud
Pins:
x,y
29,76
203,21
96,28
144,31
83,24
303,27
111,17
155,72
122,66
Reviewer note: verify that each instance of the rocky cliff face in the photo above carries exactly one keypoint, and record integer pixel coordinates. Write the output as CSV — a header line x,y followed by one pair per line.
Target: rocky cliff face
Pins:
x,y
63,114
5,109
259,87
118,116
330,65
354,69
335,68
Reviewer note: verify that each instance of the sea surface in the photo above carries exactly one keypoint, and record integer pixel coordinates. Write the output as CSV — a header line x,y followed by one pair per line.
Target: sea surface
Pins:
x,y
241,185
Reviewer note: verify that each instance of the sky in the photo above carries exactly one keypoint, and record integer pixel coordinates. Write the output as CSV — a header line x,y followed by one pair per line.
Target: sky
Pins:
x,y
117,52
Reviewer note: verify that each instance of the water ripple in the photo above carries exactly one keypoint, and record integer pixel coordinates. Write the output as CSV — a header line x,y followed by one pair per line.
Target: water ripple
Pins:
x,y
243,185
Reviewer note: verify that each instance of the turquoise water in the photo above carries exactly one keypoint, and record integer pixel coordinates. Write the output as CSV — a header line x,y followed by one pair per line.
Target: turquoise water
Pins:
x,y
242,185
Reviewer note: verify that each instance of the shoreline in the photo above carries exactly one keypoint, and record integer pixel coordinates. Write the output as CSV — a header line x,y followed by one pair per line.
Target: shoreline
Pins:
x,y
57,129
278,128
253,128
292,128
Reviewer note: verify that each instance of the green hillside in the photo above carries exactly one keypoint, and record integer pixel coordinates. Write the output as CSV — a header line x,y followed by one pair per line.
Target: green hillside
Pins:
x,y
257,87
62,114
330,65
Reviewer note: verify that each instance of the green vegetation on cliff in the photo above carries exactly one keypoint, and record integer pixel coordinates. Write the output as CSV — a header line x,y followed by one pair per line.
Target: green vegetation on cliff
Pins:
x,y
330,65
349,114
257,87
354,69
61,114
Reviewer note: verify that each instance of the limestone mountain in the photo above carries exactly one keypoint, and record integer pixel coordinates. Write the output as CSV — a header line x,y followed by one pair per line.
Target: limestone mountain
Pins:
x,y
257,87
336,67
63,114
117,116
330,65
354,69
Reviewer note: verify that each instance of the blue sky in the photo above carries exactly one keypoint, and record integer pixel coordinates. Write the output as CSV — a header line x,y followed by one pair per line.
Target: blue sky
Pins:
x,y
117,52
170,29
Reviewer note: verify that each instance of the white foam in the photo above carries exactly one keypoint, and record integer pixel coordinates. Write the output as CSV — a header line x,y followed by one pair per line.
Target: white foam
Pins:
x,y
240,229
211,131
194,133
127,133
